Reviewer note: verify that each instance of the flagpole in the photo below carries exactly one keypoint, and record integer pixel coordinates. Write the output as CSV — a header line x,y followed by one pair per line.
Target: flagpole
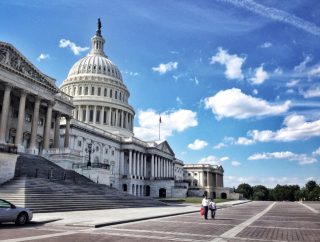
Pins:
x,y
159,126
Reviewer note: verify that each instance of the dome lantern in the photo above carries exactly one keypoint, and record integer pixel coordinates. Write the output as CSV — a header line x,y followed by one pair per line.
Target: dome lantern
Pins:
x,y
98,41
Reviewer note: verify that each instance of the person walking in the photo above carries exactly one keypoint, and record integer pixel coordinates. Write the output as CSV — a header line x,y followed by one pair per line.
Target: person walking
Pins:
x,y
205,205
213,208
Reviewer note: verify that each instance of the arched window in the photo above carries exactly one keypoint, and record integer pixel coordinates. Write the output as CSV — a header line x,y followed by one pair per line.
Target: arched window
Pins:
x,y
110,93
105,92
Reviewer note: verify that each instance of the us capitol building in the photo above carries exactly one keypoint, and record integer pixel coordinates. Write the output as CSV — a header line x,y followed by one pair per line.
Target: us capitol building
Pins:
x,y
87,125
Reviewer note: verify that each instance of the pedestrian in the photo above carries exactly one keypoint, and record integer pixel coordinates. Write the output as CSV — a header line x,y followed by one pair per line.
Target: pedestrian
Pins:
x,y
213,208
205,205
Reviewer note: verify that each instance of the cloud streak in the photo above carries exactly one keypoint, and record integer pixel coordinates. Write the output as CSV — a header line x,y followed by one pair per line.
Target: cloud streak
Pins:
x,y
276,14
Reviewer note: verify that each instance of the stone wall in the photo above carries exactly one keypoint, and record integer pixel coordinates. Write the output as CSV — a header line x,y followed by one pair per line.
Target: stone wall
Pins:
x,y
7,166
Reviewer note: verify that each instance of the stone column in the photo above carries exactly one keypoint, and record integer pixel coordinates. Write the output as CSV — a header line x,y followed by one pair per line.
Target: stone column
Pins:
x,y
209,179
152,165
130,162
94,114
134,164
5,113
138,163
110,116
67,133
57,131
117,118
216,179
21,115
145,165
34,127
79,116
87,114
46,135
204,179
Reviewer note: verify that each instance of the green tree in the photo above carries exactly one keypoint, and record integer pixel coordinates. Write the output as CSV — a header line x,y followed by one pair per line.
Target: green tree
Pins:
x,y
260,193
246,190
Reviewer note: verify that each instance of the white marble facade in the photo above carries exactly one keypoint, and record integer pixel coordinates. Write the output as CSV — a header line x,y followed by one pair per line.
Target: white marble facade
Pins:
x,y
91,108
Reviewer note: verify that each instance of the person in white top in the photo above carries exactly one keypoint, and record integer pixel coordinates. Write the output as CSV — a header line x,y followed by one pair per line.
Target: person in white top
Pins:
x,y
205,205
213,208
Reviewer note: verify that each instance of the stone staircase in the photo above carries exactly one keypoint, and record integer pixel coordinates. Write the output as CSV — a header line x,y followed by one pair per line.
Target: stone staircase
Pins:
x,y
74,193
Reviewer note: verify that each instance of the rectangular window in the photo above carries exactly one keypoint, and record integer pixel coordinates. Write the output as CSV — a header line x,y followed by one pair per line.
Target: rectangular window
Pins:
x,y
79,143
84,114
105,117
92,90
86,91
91,116
99,91
110,93
40,122
105,92
52,125
80,91
98,116
28,117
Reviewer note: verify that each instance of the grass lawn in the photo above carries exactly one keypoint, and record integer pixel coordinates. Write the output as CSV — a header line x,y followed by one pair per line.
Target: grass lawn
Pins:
x,y
196,200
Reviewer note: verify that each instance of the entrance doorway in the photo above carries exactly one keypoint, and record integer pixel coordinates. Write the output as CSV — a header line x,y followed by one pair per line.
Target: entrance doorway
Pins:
x,y
162,193
147,191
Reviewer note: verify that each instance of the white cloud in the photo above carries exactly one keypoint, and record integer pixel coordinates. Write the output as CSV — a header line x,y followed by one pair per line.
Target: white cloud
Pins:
x,y
63,43
296,128
302,66
259,77
219,146
164,68
255,92
269,182
235,163
312,92
316,152
172,121
266,45
315,71
43,56
244,141
131,73
212,160
197,145
179,101
232,103
233,63
303,159
277,15
292,83
278,71
224,158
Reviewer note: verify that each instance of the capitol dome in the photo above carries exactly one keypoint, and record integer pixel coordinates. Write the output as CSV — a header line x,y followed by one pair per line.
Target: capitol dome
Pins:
x,y
98,91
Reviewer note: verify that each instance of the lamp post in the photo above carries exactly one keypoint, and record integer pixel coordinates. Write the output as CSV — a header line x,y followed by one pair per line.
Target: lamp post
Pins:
x,y
89,150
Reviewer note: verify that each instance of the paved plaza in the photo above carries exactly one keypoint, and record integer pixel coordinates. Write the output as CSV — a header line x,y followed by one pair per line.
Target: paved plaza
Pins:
x,y
252,221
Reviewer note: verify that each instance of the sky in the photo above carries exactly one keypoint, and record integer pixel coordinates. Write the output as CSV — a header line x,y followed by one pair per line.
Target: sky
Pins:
x,y
236,82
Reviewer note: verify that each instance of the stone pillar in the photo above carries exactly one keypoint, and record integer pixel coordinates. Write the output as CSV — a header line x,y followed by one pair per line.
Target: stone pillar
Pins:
x,y
94,114
79,116
130,162
34,127
21,115
145,165
204,178
209,179
67,133
5,113
57,131
46,135
216,179
87,114
152,165
134,164
110,116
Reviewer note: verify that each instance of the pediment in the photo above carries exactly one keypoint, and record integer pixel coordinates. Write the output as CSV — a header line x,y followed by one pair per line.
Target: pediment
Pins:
x,y
165,147
11,59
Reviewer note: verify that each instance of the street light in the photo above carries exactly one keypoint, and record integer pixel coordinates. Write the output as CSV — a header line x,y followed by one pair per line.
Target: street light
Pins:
x,y
89,150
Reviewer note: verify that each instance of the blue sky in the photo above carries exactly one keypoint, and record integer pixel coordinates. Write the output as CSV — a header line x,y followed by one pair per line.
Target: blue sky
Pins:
x,y
236,82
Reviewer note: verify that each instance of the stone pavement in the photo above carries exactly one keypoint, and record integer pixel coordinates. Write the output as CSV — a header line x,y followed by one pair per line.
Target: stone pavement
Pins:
x,y
99,218
249,222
